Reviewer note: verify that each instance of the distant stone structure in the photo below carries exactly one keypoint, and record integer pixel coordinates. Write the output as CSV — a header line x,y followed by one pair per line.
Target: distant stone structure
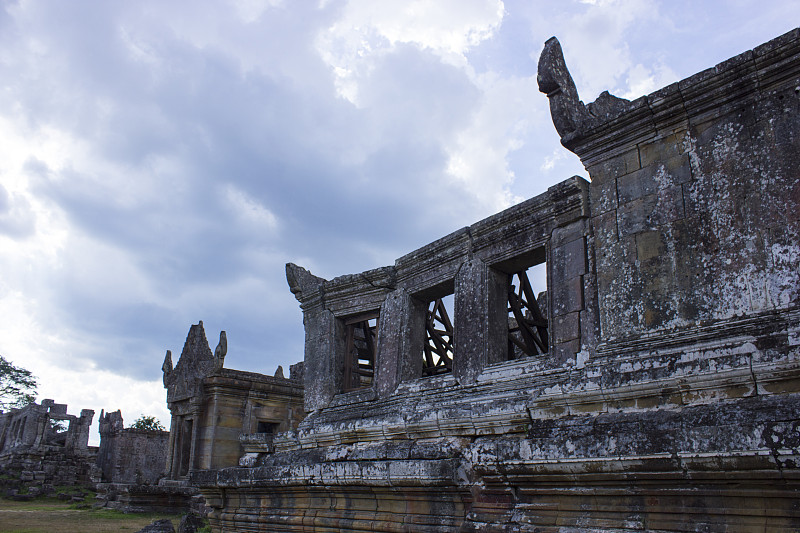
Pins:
x,y
652,386
130,455
42,446
216,410
132,461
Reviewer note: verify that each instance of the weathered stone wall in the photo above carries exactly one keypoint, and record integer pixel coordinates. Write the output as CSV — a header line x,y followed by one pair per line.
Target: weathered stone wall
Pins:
x,y
135,498
41,445
236,402
130,455
696,196
474,263
669,398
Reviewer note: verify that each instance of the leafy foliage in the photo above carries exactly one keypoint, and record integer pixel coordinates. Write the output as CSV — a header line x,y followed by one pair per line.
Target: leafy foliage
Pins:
x,y
58,426
150,423
17,385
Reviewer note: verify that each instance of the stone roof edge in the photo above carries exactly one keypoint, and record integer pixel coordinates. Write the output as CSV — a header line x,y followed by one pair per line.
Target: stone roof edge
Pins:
x,y
661,112
255,377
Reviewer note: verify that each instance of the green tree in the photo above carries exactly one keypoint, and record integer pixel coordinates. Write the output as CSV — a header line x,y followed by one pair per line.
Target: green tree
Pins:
x,y
150,423
17,385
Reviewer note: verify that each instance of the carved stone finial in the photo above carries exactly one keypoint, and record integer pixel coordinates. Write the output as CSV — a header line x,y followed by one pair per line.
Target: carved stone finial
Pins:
x,y
301,280
221,351
568,112
279,372
166,368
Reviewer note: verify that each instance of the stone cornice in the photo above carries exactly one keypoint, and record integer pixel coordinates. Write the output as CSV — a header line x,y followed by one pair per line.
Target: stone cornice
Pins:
x,y
240,382
358,293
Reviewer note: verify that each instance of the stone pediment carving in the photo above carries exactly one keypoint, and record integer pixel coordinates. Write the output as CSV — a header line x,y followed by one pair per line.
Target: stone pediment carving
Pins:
x,y
196,362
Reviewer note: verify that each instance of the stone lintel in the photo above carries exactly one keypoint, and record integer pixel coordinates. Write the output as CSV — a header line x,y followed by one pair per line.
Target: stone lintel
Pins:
x,y
250,383
512,239
428,272
358,293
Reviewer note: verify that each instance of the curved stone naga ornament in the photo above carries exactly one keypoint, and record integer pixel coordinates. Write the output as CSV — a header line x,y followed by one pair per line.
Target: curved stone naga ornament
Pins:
x,y
571,117
302,283
568,112
221,351
167,368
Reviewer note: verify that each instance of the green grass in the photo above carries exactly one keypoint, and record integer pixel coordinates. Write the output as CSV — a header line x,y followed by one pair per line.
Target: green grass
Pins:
x,y
49,515
39,504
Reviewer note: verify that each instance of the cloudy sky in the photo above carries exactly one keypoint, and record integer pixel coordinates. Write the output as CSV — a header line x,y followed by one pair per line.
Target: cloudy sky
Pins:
x,y
161,161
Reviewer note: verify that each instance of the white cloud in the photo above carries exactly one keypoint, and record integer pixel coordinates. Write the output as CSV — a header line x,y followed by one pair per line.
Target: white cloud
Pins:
x,y
249,211
642,80
251,10
551,160
595,45
367,29
63,374
478,155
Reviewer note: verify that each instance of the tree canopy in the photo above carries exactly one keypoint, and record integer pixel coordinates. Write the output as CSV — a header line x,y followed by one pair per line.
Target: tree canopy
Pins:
x,y
17,385
150,423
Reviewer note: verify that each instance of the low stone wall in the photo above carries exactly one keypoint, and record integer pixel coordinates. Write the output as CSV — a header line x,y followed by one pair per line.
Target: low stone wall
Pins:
x,y
50,465
128,455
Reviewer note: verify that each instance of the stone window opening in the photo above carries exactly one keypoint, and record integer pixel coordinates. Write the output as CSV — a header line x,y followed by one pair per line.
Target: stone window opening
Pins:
x,y
268,428
57,431
19,430
361,333
527,312
437,352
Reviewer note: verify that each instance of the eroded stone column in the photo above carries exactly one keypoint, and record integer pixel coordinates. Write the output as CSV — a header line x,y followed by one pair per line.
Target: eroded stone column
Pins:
x,y
401,335
481,319
324,347
173,432
324,350
568,269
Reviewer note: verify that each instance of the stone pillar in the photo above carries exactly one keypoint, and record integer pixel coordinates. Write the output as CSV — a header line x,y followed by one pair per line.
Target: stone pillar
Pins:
x,y
194,447
36,424
324,347
173,433
81,432
401,335
568,269
324,358
481,320
207,460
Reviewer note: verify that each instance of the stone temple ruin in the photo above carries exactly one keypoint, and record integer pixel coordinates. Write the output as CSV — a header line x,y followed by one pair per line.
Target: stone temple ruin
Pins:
x,y
132,462
219,415
218,412
614,355
42,446
652,386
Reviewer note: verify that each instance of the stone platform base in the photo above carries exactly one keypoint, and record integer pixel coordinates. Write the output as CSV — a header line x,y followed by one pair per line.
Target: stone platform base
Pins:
x,y
130,498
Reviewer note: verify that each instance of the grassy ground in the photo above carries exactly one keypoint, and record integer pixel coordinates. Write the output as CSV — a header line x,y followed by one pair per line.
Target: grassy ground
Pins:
x,y
54,516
